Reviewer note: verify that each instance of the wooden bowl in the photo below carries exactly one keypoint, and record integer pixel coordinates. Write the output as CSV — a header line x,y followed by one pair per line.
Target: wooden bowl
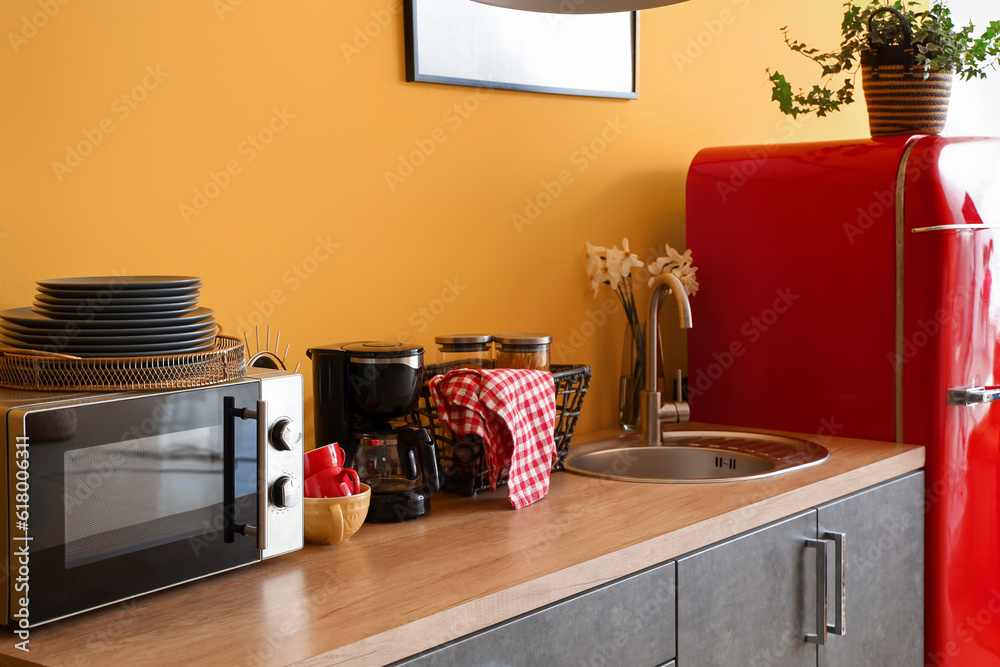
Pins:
x,y
333,520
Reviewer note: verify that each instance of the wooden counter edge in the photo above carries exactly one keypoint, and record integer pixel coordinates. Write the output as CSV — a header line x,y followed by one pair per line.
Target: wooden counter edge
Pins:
x,y
431,631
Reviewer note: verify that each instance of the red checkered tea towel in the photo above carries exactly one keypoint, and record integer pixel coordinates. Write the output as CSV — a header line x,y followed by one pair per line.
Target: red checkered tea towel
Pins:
x,y
514,412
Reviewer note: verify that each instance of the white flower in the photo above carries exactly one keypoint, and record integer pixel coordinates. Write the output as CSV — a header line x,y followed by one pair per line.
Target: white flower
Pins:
x,y
595,258
656,268
616,261
629,260
679,265
678,258
686,274
600,278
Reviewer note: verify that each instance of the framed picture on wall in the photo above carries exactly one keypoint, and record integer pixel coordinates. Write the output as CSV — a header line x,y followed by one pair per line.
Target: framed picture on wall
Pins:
x,y
465,43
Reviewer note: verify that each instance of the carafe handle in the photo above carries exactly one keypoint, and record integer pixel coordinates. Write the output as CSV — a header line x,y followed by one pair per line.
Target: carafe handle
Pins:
x,y
428,460
416,445
406,448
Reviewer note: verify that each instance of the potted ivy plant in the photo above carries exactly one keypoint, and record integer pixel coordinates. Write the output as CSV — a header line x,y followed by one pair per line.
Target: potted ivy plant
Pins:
x,y
907,58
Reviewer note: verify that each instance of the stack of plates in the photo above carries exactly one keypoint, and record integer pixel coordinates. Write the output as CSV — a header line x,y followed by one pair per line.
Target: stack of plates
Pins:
x,y
112,316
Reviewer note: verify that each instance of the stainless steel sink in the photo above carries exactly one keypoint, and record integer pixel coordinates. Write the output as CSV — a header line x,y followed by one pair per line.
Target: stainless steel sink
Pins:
x,y
695,456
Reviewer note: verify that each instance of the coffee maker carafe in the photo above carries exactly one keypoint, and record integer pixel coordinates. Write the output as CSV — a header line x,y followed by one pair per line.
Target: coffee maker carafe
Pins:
x,y
360,390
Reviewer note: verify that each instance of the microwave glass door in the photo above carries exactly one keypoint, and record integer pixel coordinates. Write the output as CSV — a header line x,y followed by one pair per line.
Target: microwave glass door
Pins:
x,y
127,496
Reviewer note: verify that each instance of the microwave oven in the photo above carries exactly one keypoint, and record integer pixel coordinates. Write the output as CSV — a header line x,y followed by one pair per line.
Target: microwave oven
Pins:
x,y
116,494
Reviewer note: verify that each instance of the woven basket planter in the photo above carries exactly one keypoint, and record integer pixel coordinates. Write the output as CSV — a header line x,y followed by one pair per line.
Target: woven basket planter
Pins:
x,y
899,99
901,105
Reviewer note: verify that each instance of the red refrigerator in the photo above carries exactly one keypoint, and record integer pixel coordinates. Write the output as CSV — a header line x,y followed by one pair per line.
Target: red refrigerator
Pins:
x,y
847,289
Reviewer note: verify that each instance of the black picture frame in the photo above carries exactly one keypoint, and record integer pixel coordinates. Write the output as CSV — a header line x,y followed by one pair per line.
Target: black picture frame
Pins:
x,y
416,50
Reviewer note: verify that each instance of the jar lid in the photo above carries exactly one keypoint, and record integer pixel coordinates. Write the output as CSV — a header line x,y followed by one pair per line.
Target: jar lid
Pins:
x,y
464,339
383,350
522,338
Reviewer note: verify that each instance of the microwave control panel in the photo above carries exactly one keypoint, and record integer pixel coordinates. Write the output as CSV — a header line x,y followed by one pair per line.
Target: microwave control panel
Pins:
x,y
282,467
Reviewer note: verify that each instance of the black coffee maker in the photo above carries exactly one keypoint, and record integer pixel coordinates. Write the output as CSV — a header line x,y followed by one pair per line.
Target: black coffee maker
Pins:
x,y
360,389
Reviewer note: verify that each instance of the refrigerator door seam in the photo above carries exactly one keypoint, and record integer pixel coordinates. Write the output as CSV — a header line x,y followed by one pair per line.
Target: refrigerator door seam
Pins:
x,y
900,274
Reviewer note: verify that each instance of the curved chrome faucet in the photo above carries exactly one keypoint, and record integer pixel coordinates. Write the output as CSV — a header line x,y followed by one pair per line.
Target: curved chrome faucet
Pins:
x,y
677,411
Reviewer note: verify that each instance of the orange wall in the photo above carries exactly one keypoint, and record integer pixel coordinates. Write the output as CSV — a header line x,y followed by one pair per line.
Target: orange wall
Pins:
x,y
306,235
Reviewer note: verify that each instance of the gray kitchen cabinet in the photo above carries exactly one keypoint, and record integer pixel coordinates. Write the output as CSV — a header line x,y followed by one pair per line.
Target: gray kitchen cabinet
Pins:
x,y
753,599
630,621
884,618
749,600
743,601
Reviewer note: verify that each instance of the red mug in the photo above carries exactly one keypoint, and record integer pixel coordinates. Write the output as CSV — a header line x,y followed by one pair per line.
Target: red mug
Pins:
x,y
333,483
321,458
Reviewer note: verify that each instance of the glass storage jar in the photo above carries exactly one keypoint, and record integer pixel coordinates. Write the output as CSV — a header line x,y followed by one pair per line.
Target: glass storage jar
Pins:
x,y
473,350
523,350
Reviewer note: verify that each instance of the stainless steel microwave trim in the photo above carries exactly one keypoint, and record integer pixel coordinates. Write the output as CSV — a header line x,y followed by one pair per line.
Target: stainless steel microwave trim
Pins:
x,y
953,228
415,361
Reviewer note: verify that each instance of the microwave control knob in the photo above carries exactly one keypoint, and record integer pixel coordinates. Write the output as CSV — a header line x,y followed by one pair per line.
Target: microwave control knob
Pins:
x,y
285,434
285,492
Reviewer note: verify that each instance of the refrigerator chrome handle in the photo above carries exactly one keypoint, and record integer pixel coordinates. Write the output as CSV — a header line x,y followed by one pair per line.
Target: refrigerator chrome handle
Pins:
x,y
973,395
957,228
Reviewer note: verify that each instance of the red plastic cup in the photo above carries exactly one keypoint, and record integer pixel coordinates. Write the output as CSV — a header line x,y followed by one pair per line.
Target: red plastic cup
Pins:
x,y
332,483
321,458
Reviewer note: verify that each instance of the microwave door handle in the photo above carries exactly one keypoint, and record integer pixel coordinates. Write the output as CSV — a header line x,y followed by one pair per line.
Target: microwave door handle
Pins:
x,y
230,527
230,413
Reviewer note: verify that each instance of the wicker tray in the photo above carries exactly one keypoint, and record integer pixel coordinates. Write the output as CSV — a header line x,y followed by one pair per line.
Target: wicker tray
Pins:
x,y
49,372
462,461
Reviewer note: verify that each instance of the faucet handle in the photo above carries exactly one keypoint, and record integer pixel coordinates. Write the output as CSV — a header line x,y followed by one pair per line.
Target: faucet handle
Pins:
x,y
677,411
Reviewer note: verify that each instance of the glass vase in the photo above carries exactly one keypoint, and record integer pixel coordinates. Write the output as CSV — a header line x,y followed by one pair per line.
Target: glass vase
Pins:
x,y
633,376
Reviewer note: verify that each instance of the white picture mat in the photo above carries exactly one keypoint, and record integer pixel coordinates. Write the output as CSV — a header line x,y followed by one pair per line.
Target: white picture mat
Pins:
x,y
465,40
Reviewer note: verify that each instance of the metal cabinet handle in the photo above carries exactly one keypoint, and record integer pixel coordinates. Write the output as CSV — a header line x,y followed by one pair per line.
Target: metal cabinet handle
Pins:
x,y
840,578
821,627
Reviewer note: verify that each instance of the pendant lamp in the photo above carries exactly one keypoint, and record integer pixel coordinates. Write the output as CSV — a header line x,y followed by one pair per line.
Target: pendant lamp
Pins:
x,y
579,6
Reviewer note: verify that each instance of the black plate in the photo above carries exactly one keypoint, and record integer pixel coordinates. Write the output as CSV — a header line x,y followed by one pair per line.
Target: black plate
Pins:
x,y
28,318
66,328
118,283
126,338
119,294
133,351
97,311
46,300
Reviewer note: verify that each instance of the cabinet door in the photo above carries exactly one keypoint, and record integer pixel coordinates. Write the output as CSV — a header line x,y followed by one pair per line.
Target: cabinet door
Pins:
x,y
884,577
630,621
750,600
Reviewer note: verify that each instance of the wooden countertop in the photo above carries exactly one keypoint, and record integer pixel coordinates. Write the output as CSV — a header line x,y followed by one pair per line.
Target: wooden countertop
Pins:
x,y
393,590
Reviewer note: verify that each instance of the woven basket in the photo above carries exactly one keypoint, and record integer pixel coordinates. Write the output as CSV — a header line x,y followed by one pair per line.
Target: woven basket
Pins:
x,y
900,100
462,460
